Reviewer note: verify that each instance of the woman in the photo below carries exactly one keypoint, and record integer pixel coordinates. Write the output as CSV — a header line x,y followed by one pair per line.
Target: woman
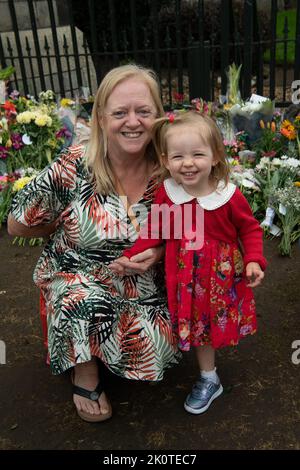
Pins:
x,y
93,202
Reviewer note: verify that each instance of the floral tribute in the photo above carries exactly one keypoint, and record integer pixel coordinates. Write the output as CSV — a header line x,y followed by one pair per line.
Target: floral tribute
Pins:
x,y
31,134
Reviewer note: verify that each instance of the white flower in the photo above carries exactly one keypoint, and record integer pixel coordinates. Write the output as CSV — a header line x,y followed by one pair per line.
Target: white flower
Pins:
x,y
26,139
291,162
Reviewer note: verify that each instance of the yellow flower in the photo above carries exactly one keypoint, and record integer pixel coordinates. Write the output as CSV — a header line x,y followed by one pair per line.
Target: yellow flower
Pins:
x,y
66,102
8,143
21,182
227,106
286,123
26,117
262,124
297,184
43,120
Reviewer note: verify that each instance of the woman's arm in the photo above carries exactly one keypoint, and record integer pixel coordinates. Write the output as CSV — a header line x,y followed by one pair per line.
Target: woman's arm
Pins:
x,y
17,229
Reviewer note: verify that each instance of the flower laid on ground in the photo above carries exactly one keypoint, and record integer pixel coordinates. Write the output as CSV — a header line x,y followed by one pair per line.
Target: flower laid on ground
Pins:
x,y
286,203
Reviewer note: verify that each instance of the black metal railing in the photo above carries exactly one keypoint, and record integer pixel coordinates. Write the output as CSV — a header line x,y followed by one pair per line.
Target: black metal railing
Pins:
x,y
77,50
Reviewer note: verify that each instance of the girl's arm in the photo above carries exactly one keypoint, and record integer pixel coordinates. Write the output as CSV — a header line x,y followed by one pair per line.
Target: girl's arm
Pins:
x,y
151,233
147,250
249,231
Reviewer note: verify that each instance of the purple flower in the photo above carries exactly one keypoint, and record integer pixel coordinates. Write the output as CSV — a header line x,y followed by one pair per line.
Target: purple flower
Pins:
x,y
63,133
14,95
3,152
16,140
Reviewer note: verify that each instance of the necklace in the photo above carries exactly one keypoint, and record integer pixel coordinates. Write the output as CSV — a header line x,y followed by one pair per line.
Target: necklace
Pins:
x,y
128,203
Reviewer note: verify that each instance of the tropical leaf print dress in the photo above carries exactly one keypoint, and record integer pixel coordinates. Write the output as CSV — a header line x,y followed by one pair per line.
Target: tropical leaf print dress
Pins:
x,y
123,321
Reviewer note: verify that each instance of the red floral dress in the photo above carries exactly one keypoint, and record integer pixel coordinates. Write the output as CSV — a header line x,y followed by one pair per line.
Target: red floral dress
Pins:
x,y
208,298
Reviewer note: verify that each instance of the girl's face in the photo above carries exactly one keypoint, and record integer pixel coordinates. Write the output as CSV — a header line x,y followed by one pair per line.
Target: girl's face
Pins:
x,y
190,159
128,116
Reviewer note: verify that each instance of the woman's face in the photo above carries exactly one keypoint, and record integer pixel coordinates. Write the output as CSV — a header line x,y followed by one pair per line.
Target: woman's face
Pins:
x,y
128,116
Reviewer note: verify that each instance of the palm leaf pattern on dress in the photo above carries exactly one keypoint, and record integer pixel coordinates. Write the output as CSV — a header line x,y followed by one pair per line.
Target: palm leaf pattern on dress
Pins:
x,y
86,310
136,347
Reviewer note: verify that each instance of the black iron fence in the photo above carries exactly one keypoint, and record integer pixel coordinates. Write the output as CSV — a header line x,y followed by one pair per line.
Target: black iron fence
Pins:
x,y
85,39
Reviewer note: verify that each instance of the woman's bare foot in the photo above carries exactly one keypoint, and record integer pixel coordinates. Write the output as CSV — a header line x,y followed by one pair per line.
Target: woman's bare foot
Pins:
x,y
86,376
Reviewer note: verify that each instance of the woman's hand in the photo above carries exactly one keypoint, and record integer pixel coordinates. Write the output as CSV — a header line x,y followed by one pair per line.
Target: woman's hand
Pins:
x,y
254,274
137,264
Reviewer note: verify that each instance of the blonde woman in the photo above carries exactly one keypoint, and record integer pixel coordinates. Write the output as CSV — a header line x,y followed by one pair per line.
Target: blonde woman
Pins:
x,y
93,201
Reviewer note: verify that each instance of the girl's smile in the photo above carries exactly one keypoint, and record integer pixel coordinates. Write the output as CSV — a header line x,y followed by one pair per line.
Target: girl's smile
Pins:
x,y
190,160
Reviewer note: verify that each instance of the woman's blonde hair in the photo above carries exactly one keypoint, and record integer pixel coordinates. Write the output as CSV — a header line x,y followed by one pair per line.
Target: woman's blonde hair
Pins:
x,y
208,131
97,159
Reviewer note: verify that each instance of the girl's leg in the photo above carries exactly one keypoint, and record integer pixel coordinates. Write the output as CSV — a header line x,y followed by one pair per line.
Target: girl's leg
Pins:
x,y
208,386
206,358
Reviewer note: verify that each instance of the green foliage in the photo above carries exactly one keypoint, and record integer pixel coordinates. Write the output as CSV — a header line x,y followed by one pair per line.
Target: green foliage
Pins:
x,y
7,72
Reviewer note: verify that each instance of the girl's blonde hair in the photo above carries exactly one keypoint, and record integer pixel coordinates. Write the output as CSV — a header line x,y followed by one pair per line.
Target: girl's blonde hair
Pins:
x,y
97,159
208,131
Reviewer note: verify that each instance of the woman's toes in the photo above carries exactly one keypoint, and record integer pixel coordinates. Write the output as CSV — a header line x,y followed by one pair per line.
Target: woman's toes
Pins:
x,y
103,404
96,409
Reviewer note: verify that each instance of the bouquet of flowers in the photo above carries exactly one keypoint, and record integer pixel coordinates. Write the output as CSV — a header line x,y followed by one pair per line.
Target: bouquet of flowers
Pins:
x,y
11,183
286,203
31,135
247,116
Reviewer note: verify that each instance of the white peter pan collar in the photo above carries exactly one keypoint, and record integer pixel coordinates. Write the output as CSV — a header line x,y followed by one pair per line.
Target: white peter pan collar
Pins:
x,y
212,201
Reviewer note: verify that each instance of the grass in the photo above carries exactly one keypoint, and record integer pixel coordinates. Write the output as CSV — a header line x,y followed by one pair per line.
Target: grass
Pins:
x,y
290,54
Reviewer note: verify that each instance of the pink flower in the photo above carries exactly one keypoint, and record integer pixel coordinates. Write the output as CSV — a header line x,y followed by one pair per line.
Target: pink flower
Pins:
x,y
16,140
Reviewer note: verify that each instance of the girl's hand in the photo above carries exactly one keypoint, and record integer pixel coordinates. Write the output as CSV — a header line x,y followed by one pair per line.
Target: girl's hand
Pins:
x,y
254,274
137,264
118,265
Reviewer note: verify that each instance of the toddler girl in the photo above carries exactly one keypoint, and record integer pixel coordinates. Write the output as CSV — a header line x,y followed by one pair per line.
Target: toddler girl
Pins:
x,y
208,284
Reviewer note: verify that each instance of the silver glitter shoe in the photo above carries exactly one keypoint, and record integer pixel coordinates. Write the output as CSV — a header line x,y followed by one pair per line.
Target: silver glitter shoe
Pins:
x,y
203,393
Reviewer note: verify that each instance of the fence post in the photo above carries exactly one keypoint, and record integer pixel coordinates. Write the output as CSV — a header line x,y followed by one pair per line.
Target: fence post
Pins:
x,y
248,36
56,48
18,44
258,57
199,70
133,24
113,30
178,45
273,48
154,18
297,45
94,39
224,42
74,43
36,44
2,57
206,69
